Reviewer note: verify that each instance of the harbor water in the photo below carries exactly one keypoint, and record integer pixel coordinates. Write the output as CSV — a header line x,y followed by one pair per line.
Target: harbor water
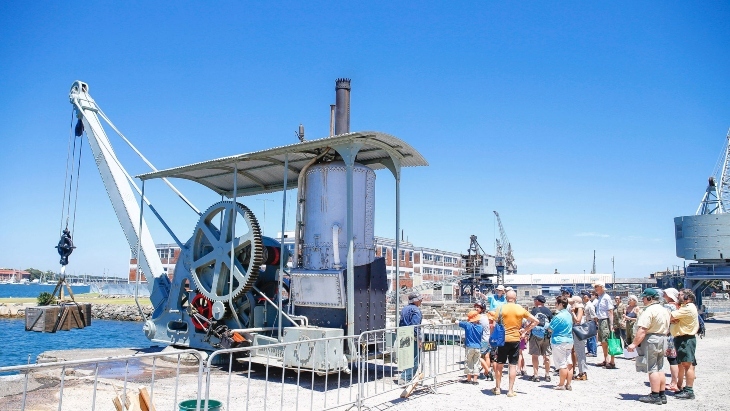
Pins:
x,y
101,334
32,290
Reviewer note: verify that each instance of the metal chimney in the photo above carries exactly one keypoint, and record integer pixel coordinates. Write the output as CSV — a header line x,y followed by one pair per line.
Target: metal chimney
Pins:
x,y
342,103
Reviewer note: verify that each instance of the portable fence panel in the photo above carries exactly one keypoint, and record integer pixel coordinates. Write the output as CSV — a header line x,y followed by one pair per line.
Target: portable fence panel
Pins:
x,y
311,374
103,383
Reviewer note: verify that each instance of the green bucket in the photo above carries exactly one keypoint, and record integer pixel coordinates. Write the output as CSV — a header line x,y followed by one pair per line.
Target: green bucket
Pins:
x,y
191,405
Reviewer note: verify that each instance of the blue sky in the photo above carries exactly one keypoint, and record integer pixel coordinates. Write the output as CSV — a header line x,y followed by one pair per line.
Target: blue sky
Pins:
x,y
587,126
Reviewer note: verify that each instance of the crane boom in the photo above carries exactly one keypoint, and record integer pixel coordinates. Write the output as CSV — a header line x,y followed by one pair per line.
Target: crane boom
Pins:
x,y
504,248
115,179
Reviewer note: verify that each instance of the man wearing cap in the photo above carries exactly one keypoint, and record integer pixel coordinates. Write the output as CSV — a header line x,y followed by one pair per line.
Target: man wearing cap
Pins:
x,y
650,342
411,315
604,316
540,338
485,350
589,311
684,327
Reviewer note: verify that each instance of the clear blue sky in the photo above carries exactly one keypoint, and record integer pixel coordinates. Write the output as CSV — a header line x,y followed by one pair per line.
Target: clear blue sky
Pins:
x,y
587,126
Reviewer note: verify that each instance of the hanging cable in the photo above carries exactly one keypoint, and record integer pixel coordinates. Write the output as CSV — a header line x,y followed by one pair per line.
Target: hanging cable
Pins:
x,y
73,169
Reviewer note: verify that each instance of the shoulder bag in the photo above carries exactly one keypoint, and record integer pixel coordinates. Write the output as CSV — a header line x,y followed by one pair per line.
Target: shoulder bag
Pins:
x,y
498,334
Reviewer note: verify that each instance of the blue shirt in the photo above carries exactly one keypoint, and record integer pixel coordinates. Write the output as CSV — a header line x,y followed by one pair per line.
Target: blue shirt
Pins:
x,y
411,315
562,326
495,301
472,334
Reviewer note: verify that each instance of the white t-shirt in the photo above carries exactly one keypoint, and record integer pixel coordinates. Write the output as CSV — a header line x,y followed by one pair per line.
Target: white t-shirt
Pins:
x,y
484,322
604,306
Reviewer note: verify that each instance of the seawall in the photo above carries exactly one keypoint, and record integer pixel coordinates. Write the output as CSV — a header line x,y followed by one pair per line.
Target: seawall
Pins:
x,y
119,312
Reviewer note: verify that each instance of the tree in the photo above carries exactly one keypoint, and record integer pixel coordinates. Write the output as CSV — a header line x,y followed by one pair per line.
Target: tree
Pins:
x,y
34,273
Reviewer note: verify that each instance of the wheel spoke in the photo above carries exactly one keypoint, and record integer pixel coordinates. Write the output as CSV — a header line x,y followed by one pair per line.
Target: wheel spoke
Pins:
x,y
239,271
227,221
216,278
241,242
209,234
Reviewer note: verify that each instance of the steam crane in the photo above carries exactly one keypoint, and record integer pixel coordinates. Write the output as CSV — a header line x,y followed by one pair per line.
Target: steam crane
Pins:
x,y
505,258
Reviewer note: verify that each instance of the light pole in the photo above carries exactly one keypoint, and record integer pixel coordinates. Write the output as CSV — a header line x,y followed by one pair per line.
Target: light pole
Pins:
x,y
263,228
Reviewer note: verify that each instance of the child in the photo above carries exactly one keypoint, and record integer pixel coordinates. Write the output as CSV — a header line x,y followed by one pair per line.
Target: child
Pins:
x,y
473,341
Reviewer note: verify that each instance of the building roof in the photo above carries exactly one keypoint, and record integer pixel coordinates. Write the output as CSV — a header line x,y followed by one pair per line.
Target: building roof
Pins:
x,y
263,171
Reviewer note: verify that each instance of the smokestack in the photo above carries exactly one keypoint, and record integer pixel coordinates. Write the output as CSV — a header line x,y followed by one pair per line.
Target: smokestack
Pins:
x,y
342,106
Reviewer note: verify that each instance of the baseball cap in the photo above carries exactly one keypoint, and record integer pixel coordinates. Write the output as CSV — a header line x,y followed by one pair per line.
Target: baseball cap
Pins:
x,y
509,289
586,293
540,298
500,288
599,284
650,293
567,290
413,297
480,305
672,293
472,316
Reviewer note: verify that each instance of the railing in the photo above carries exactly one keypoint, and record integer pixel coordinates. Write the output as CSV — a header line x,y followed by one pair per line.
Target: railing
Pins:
x,y
310,374
99,374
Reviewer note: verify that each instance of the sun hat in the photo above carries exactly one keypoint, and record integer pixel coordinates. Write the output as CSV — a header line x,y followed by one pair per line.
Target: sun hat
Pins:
x,y
540,298
575,300
413,297
473,316
650,293
500,288
509,289
599,284
672,293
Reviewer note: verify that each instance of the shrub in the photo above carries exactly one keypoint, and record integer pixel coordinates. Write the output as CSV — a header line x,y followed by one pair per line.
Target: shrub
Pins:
x,y
45,298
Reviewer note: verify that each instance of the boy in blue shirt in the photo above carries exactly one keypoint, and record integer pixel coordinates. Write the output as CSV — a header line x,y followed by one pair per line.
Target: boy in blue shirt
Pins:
x,y
473,341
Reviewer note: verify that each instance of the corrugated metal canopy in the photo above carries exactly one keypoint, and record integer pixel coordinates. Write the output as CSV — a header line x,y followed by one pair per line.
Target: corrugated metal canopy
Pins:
x,y
263,171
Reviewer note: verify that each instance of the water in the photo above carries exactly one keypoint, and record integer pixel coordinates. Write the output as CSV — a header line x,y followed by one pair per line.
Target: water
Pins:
x,y
32,290
101,334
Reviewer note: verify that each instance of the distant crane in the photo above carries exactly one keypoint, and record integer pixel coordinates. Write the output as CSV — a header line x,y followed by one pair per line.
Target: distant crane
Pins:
x,y
593,270
505,260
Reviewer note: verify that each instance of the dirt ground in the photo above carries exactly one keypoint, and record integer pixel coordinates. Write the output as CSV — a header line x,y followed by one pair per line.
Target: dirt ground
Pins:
x,y
261,387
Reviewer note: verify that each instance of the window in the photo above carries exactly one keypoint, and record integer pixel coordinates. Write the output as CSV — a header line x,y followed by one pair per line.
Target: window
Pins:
x,y
438,258
403,255
410,256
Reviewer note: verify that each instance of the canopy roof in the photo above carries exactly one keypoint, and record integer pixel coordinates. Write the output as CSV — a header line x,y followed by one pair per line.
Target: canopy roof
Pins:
x,y
263,171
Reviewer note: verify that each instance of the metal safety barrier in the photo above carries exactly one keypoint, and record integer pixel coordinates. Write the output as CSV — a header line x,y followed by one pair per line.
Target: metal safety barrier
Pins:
x,y
92,379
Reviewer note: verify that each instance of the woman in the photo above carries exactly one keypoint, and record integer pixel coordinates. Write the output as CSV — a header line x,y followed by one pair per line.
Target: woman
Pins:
x,y
632,313
579,347
562,342
619,324
671,300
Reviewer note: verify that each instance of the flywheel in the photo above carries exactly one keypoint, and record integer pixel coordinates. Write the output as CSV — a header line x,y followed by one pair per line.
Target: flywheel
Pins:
x,y
213,240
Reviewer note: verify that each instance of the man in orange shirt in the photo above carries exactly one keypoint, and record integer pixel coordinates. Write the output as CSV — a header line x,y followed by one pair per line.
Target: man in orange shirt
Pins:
x,y
512,316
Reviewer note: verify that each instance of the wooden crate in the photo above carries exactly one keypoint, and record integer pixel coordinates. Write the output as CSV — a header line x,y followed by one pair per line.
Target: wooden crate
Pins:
x,y
54,317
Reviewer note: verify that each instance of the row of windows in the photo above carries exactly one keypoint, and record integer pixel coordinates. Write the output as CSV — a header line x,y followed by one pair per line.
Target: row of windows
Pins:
x,y
437,271
426,256
166,253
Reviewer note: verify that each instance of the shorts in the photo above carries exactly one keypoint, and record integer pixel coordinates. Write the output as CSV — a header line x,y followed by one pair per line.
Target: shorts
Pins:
x,y
472,361
686,346
604,332
539,346
485,349
562,355
651,353
510,351
672,360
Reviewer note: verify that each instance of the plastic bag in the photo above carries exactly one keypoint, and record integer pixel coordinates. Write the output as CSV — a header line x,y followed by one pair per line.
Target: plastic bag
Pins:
x,y
614,345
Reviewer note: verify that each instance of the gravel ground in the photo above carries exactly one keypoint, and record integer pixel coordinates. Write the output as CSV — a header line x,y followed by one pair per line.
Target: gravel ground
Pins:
x,y
615,388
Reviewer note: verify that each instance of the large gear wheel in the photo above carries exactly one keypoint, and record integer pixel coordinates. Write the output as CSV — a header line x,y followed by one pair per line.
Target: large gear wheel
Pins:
x,y
211,253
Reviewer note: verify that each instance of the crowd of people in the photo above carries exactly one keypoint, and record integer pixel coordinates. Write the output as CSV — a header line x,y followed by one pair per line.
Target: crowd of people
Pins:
x,y
656,325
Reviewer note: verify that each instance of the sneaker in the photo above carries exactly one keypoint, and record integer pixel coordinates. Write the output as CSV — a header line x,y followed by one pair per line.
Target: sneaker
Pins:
x,y
496,391
490,376
547,378
664,398
685,395
511,394
535,378
651,399
475,383
482,377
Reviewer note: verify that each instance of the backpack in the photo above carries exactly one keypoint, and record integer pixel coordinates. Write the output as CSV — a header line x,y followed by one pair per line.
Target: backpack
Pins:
x,y
496,339
701,331
540,330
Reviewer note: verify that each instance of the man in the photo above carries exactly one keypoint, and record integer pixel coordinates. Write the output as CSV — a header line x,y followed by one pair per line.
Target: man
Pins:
x,y
651,339
512,316
411,315
481,308
566,292
540,338
604,322
684,327
589,311
619,323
